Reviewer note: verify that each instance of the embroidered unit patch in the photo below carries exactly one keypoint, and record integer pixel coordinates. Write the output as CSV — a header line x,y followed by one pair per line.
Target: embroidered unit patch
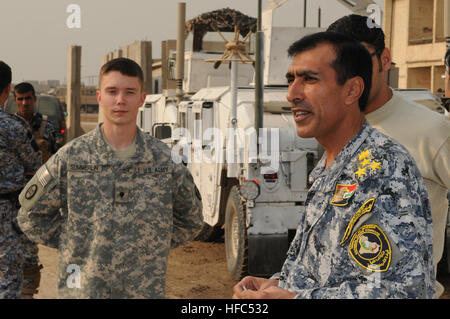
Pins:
x,y
364,209
343,194
370,248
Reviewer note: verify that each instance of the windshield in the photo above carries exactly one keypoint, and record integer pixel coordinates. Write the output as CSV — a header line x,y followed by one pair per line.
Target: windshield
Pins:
x,y
48,106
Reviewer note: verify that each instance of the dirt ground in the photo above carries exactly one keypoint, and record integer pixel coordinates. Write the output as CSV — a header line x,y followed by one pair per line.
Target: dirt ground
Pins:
x,y
196,270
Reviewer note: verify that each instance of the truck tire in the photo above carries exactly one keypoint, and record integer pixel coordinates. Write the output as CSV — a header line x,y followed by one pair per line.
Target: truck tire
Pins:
x,y
210,233
236,235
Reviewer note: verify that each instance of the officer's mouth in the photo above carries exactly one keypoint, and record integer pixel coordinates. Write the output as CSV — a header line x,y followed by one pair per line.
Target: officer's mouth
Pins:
x,y
301,114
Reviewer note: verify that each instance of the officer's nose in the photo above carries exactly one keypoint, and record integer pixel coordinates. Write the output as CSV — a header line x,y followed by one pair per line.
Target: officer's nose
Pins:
x,y
295,91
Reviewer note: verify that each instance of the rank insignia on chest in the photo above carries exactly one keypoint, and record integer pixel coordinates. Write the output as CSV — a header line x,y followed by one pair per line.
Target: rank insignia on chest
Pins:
x,y
343,194
370,248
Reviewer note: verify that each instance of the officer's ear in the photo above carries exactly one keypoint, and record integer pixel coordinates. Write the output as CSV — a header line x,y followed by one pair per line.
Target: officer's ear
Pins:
x,y
352,90
386,60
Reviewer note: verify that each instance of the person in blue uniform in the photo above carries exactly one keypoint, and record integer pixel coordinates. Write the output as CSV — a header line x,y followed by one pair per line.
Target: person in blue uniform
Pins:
x,y
367,229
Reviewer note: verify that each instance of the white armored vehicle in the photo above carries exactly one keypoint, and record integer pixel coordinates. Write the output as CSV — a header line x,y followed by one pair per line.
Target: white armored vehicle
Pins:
x,y
253,192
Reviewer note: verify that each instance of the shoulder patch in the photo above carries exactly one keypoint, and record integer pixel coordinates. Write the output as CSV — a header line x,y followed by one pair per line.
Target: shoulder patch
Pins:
x,y
39,184
364,209
31,191
343,194
370,248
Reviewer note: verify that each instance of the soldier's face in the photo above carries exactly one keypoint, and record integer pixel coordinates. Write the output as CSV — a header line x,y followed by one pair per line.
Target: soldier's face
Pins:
x,y
120,97
25,104
315,96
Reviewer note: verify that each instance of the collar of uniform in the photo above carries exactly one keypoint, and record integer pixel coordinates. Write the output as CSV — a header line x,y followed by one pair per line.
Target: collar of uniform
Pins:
x,y
106,153
324,179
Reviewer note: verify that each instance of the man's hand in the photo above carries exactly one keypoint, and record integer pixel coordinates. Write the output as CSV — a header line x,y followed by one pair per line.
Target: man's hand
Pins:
x,y
260,288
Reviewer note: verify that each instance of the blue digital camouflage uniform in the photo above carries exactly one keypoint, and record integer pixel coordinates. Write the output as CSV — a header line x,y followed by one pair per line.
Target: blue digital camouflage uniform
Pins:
x,y
17,159
45,138
367,230
118,218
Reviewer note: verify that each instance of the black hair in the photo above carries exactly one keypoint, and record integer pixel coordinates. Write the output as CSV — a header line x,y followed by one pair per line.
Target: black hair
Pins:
x,y
24,87
362,29
5,76
447,58
352,59
124,66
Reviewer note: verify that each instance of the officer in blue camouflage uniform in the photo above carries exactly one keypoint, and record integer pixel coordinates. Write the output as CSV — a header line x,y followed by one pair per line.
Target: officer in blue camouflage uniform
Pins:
x,y
44,135
112,201
42,128
367,230
19,156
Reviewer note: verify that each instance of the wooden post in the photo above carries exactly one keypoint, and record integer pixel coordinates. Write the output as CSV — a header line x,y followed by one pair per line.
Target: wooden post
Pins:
x,y
74,92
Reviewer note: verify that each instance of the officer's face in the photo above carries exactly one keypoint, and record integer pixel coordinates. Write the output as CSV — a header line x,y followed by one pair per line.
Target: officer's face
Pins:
x,y
25,104
315,96
120,97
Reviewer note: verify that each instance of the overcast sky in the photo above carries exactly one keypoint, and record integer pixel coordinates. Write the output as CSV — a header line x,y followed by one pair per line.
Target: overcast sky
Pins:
x,y
35,36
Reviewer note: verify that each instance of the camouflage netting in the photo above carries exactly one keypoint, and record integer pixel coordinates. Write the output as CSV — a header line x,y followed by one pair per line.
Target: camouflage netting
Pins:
x,y
223,20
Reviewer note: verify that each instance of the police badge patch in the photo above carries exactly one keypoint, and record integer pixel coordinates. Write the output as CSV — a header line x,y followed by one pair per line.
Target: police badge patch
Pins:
x,y
343,194
370,248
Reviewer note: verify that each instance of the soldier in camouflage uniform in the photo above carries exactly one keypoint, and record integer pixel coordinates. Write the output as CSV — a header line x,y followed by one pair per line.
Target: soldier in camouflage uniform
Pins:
x,y
19,156
44,135
112,201
367,230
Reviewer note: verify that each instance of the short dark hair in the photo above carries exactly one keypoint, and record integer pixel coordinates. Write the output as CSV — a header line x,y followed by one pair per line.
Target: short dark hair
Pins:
x,y
5,75
362,29
24,87
352,59
124,66
447,58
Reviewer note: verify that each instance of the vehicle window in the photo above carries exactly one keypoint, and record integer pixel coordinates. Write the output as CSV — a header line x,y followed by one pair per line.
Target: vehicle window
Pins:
x,y
48,106
162,132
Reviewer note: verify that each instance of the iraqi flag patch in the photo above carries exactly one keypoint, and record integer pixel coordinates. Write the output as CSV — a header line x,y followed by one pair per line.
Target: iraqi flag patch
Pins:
x,y
343,194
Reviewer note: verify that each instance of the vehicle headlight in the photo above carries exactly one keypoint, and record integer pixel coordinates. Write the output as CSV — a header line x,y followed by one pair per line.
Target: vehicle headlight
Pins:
x,y
249,190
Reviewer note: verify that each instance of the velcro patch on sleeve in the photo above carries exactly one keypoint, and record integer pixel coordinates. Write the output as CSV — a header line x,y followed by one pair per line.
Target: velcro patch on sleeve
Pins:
x,y
35,188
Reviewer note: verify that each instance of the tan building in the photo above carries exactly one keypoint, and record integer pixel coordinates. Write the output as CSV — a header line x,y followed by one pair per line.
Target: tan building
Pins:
x,y
141,53
416,36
